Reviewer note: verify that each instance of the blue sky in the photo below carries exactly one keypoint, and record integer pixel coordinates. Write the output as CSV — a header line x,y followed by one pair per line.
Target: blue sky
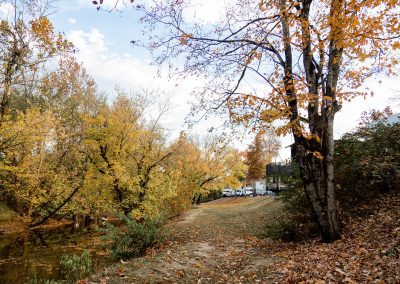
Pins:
x,y
119,28
103,40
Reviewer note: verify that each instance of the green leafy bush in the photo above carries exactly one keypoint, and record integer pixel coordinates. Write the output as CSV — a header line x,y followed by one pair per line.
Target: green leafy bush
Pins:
x,y
74,267
367,162
296,204
133,238
295,221
294,199
283,229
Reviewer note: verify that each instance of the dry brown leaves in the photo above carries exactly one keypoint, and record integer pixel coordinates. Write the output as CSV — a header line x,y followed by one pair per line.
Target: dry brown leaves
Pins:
x,y
369,251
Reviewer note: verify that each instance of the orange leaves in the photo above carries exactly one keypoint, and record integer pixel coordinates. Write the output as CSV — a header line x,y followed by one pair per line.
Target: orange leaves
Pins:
x,y
318,155
184,38
396,46
311,137
270,115
42,28
254,54
262,5
48,41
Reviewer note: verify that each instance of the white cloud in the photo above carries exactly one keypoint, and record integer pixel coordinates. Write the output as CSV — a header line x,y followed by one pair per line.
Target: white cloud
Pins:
x,y
205,11
5,10
72,20
128,72
90,44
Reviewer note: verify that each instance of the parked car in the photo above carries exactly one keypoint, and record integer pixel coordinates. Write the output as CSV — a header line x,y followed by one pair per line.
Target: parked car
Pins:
x,y
249,192
269,192
239,192
227,192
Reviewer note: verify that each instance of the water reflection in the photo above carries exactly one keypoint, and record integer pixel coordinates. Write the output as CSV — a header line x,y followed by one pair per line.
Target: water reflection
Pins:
x,y
37,253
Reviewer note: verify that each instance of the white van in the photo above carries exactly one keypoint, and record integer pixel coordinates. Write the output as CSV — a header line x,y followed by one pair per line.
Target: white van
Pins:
x,y
227,192
248,191
239,192
259,188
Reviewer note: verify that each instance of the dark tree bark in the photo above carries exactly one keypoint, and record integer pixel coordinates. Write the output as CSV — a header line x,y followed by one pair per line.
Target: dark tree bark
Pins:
x,y
51,214
315,156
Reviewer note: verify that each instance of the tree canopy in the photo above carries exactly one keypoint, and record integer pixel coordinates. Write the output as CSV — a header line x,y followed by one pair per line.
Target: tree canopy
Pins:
x,y
67,151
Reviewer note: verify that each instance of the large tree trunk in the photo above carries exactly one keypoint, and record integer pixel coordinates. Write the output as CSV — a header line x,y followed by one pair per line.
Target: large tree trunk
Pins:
x,y
314,154
317,174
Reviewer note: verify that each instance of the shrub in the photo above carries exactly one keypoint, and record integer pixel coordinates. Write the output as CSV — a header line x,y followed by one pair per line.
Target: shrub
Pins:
x,y
295,221
74,267
294,199
283,228
367,162
6,213
133,238
296,204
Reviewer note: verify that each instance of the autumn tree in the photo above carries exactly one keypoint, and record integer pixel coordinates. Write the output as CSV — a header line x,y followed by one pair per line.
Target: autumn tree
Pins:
x,y
27,42
303,58
218,166
129,154
260,152
235,168
202,166
40,165
44,160
70,95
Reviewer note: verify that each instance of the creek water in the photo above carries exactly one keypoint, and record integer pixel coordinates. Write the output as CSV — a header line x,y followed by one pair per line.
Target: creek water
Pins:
x,y
35,255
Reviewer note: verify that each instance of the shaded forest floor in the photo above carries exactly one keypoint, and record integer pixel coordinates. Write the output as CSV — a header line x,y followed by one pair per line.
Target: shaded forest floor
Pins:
x,y
222,242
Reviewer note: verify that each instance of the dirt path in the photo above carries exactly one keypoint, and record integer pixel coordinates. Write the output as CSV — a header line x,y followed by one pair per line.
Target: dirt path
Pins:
x,y
217,242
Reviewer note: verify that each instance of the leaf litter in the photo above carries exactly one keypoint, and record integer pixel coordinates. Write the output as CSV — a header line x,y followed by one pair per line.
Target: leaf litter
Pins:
x,y
222,243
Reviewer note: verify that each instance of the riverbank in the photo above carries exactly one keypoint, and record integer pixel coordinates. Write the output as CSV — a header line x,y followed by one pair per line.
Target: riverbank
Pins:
x,y
222,242
12,223
36,254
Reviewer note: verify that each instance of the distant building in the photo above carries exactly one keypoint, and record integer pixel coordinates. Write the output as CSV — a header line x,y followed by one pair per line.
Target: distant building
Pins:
x,y
275,173
394,118
390,120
